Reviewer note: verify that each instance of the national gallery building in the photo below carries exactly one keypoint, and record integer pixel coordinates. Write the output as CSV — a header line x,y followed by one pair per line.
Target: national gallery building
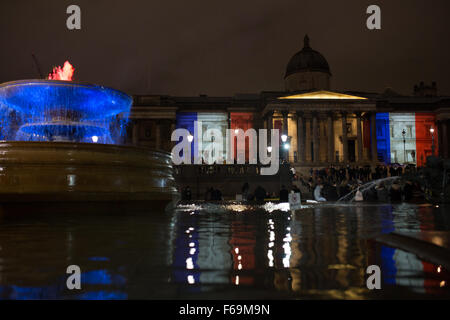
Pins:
x,y
322,126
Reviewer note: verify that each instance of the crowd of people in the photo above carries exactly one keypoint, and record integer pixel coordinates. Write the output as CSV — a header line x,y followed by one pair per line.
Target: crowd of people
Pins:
x,y
333,183
211,194
259,194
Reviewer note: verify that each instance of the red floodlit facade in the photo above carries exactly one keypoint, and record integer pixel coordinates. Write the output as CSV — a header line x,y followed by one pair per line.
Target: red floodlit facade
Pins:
x,y
424,122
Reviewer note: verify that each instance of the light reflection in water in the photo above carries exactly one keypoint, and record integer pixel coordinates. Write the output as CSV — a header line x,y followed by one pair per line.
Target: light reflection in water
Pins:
x,y
215,250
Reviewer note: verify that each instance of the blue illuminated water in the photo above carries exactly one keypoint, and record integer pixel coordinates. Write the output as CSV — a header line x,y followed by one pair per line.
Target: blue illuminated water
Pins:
x,y
226,250
48,110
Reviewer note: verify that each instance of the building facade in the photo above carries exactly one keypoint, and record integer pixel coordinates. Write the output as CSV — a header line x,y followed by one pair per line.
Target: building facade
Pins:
x,y
323,127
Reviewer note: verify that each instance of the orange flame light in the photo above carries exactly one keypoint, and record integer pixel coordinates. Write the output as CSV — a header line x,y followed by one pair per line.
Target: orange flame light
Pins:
x,y
65,73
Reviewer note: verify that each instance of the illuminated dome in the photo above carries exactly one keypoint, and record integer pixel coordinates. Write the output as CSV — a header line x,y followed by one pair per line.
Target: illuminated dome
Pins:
x,y
307,70
307,59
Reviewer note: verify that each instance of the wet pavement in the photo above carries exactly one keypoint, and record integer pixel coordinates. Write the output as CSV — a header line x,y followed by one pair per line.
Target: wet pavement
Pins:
x,y
222,251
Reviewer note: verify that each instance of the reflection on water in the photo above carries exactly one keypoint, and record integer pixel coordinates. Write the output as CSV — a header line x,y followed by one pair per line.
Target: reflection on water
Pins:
x,y
228,250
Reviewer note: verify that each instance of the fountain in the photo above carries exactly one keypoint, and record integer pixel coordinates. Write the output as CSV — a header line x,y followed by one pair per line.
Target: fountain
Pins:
x,y
52,110
349,197
61,142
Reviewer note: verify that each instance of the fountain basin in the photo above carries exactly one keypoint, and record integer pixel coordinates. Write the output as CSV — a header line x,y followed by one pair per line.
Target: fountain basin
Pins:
x,y
47,97
83,172
51,110
61,146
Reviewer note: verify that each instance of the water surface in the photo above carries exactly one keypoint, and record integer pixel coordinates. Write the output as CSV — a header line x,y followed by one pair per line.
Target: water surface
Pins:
x,y
215,251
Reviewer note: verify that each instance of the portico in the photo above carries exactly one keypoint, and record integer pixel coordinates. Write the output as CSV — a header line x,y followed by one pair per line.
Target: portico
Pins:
x,y
325,127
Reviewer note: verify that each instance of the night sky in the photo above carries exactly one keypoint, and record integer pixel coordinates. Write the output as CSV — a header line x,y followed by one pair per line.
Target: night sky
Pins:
x,y
225,47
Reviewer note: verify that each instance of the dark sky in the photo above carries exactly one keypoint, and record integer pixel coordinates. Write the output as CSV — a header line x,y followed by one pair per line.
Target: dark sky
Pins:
x,y
225,47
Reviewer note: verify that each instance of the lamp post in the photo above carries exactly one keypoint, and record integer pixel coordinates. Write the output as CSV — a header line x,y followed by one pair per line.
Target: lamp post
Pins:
x,y
190,138
285,143
404,145
432,141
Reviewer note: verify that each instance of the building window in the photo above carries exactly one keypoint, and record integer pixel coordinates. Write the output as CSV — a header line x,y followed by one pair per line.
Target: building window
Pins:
x,y
393,155
409,133
411,155
427,130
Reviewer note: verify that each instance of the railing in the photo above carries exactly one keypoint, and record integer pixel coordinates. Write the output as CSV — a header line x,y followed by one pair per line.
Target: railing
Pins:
x,y
218,170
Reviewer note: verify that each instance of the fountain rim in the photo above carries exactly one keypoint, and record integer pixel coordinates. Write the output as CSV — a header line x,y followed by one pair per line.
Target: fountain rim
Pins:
x,y
4,144
61,83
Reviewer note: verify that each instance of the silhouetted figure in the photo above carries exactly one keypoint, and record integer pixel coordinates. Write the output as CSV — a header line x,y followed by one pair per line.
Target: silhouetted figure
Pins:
x,y
245,189
186,194
408,191
382,193
260,194
284,194
343,190
371,194
392,171
417,193
396,192
209,194
330,192
216,195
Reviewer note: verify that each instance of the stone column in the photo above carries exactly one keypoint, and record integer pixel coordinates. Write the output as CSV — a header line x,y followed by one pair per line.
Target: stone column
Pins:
x,y
359,136
366,151
301,152
285,131
440,144
158,134
285,122
316,138
308,138
330,134
444,140
135,133
373,136
269,117
344,137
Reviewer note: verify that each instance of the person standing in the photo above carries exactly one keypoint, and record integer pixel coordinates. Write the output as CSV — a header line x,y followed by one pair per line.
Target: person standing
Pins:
x,y
245,189
359,196
284,194
260,194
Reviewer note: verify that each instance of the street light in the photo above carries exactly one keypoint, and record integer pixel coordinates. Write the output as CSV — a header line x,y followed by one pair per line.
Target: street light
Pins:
x,y
404,145
190,138
432,140
284,137
269,149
